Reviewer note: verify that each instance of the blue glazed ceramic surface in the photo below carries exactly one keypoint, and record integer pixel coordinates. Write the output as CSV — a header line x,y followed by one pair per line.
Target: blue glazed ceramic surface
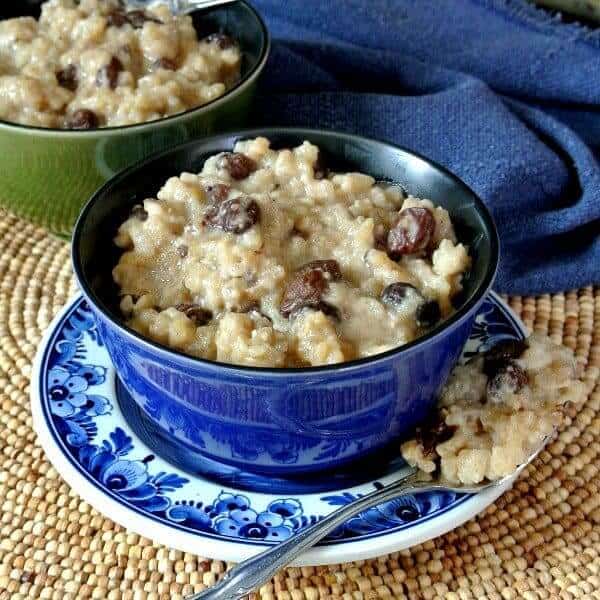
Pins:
x,y
77,400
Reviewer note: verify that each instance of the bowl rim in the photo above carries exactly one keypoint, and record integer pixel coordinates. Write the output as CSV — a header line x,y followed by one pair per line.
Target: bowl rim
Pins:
x,y
243,83
450,323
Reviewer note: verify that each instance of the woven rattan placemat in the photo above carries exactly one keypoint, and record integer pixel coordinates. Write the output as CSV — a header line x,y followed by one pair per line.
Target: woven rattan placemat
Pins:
x,y
540,540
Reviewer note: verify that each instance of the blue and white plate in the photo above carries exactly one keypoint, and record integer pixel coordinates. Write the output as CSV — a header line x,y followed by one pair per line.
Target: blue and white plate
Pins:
x,y
85,435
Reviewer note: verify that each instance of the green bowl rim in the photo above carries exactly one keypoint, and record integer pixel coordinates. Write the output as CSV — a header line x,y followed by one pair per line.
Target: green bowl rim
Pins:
x,y
229,94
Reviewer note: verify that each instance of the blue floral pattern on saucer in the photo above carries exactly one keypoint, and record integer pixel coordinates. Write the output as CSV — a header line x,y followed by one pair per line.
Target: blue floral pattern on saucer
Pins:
x,y
77,396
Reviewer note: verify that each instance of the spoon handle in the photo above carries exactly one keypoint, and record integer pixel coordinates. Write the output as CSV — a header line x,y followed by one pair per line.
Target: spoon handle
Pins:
x,y
177,7
184,7
252,573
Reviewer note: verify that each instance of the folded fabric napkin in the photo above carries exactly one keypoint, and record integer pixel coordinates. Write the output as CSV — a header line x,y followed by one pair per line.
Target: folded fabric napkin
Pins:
x,y
498,91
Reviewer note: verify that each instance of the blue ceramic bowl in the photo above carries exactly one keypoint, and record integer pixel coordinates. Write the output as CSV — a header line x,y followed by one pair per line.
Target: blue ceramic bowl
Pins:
x,y
261,427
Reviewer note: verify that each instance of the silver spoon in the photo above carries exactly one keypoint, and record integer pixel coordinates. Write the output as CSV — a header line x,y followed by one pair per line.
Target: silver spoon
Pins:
x,y
177,7
254,572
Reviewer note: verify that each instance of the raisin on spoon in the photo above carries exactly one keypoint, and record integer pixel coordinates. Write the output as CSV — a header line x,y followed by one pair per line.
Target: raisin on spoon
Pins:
x,y
433,432
502,353
510,378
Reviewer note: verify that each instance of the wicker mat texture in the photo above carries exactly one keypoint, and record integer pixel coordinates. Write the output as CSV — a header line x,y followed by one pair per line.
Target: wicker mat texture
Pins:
x,y
540,540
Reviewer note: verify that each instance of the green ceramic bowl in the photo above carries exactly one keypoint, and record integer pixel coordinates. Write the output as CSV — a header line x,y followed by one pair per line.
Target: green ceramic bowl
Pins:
x,y
46,175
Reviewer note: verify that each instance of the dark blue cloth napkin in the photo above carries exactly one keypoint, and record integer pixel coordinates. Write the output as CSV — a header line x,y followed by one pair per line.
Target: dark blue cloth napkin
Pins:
x,y
498,91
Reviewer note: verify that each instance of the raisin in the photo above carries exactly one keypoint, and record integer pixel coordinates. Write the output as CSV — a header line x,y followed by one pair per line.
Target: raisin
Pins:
x,y
68,77
222,40
116,18
428,314
320,171
295,232
329,266
510,378
137,18
329,310
249,306
396,293
235,215
196,313
82,119
501,353
139,212
307,287
433,432
109,75
304,290
411,232
183,250
217,192
164,63
380,234
237,164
